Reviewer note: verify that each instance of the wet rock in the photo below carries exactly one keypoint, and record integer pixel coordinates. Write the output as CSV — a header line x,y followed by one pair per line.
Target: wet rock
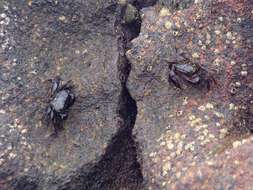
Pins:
x,y
178,129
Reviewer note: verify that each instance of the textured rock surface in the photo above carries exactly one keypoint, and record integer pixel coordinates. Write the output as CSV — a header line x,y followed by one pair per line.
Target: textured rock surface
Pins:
x,y
194,138
176,4
178,129
40,40
231,170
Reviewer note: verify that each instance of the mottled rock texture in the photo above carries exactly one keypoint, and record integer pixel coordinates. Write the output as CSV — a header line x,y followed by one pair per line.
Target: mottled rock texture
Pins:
x,y
178,129
41,39
230,170
197,137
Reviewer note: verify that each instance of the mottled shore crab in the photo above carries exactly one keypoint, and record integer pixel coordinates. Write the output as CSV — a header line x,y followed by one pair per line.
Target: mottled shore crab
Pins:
x,y
192,73
62,98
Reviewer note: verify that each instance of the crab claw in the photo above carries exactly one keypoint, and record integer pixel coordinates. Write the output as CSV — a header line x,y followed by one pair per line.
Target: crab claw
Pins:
x,y
174,79
56,82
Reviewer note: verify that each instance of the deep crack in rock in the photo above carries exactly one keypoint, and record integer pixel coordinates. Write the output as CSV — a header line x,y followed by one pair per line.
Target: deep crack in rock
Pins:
x,y
119,167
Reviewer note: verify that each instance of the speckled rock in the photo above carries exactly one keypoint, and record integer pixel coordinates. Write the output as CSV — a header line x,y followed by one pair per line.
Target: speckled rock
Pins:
x,y
230,170
41,39
176,4
178,129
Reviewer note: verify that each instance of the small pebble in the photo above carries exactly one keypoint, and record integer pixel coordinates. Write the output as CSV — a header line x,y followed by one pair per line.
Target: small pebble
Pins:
x,y
232,62
223,131
210,163
231,106
244,73
12,155
195,55
168,25
237,84
244,65
170,145
164,12
3,15
24,131
216,51
229,35
152,154
209,106
217,32
62,18
178,175
236,162
206,117
236,144
177,135
2,111
1,161
221,19
192,117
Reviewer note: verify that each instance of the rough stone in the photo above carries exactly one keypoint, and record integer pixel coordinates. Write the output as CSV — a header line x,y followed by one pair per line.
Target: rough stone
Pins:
x,y
41,39
230,170
178,129
194,138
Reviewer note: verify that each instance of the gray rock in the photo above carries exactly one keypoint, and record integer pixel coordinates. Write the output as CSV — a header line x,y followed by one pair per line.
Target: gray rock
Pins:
x,y
42,39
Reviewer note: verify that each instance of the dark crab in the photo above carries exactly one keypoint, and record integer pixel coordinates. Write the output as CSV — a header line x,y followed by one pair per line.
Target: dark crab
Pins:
x,y
62,98
192,73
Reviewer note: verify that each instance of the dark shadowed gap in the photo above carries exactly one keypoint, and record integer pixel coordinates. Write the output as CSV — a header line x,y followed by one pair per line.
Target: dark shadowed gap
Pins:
x,y
119,167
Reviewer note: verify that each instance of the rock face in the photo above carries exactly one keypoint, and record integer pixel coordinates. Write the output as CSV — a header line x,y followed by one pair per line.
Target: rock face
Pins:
x,y
231,170
179,129
40,40
196,137
176,4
